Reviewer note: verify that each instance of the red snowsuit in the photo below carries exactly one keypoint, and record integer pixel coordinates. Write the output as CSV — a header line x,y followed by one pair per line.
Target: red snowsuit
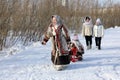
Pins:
x,y
74,57
76,51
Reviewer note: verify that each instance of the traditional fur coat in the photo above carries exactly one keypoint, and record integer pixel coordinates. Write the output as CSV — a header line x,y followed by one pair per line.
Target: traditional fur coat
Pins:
x,y
60,37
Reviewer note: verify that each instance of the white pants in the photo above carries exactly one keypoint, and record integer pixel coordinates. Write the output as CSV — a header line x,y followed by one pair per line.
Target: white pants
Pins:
x,y
60,67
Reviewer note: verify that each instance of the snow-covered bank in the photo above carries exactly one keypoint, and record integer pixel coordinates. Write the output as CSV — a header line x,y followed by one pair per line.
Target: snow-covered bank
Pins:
x,y
33,63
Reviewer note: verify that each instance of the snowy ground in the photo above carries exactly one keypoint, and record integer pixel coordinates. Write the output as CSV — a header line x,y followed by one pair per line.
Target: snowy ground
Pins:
x,y
34,62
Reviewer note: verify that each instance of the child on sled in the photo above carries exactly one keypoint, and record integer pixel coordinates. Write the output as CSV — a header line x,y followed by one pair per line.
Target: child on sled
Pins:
x,y
76,49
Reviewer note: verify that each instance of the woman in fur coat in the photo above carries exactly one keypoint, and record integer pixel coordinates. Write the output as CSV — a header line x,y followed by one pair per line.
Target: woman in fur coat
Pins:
x,y
60,38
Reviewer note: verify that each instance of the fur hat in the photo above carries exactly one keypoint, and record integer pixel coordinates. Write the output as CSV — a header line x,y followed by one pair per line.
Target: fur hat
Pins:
x,y
58,19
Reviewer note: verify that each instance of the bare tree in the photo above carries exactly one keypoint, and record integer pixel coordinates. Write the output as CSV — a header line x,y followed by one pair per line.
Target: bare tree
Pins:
x,y
27,20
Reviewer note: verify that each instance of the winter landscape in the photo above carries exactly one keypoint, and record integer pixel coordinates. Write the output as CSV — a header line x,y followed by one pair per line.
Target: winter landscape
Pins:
x,y
33,62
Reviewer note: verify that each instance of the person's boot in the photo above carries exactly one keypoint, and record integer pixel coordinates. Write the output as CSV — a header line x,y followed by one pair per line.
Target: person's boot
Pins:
x,y
60,67
80,58
88,47
99,47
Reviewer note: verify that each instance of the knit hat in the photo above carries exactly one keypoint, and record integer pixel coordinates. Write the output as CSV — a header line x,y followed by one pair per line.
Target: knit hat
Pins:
x,y
98,21
75,37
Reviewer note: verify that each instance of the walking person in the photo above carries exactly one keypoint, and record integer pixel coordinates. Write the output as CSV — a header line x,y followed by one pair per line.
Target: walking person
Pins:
x,y
60,38
87,31
98,32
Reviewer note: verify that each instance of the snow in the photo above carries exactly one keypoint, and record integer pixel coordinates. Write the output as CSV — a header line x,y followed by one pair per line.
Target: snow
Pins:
x,y
33,62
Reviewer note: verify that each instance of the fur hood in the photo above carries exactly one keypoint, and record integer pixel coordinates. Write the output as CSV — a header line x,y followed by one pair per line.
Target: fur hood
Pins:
x,y
87,23
58,18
